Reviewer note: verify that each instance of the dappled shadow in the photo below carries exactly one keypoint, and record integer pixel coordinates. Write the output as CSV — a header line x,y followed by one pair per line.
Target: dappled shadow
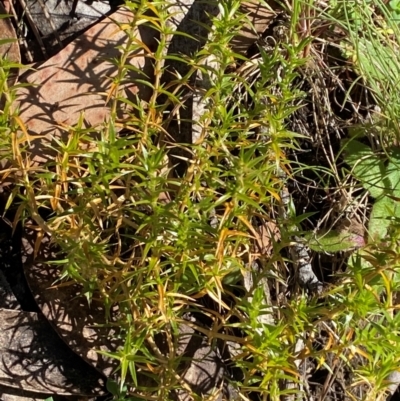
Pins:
x,y
60,19
11,267
67,310
201,365
77,80
14,394
197,22
34,358
259,16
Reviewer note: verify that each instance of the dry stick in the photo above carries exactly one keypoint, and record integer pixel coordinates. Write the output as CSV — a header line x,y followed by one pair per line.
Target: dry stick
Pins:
x,y
21,39
306,277
250,281
299,254
48,17
290,384
298,249
73,9
33,27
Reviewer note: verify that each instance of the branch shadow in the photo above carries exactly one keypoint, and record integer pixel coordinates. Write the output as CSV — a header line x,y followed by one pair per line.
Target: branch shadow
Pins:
x,y
202,365
77,323
77,80
34,358
197,23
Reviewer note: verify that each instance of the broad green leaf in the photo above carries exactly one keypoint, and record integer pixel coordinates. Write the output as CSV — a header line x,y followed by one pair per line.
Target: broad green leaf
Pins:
x,y
112,387
393,172
233,277
367,167
377,62
379,221
333,241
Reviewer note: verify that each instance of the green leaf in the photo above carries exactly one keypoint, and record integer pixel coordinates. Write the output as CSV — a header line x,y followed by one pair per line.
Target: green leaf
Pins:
x,y
233,277
296,220
112,387
379,221
333,241
132,371
7,41
367,167
393,172
377,61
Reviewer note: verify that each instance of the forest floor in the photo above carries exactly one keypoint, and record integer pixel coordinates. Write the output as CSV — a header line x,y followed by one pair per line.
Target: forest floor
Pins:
x,y
199,200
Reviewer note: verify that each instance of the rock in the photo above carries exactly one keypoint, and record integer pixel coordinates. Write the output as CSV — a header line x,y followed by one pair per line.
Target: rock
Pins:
x,y
67,310
203,368
11,394
7,298
77,80
33,358
260,16
54,16
34,361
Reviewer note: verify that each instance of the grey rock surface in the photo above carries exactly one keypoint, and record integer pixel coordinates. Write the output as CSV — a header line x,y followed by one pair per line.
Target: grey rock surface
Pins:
x,y
33,358
54,16
34,362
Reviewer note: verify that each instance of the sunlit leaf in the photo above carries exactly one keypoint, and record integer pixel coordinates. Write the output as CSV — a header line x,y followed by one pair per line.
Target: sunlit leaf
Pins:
x,y
366,166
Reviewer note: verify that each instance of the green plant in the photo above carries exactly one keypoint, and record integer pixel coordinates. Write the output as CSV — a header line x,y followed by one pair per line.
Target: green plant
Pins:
x,y
395,9
9,120
134,235
372,42
154,241
380,179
